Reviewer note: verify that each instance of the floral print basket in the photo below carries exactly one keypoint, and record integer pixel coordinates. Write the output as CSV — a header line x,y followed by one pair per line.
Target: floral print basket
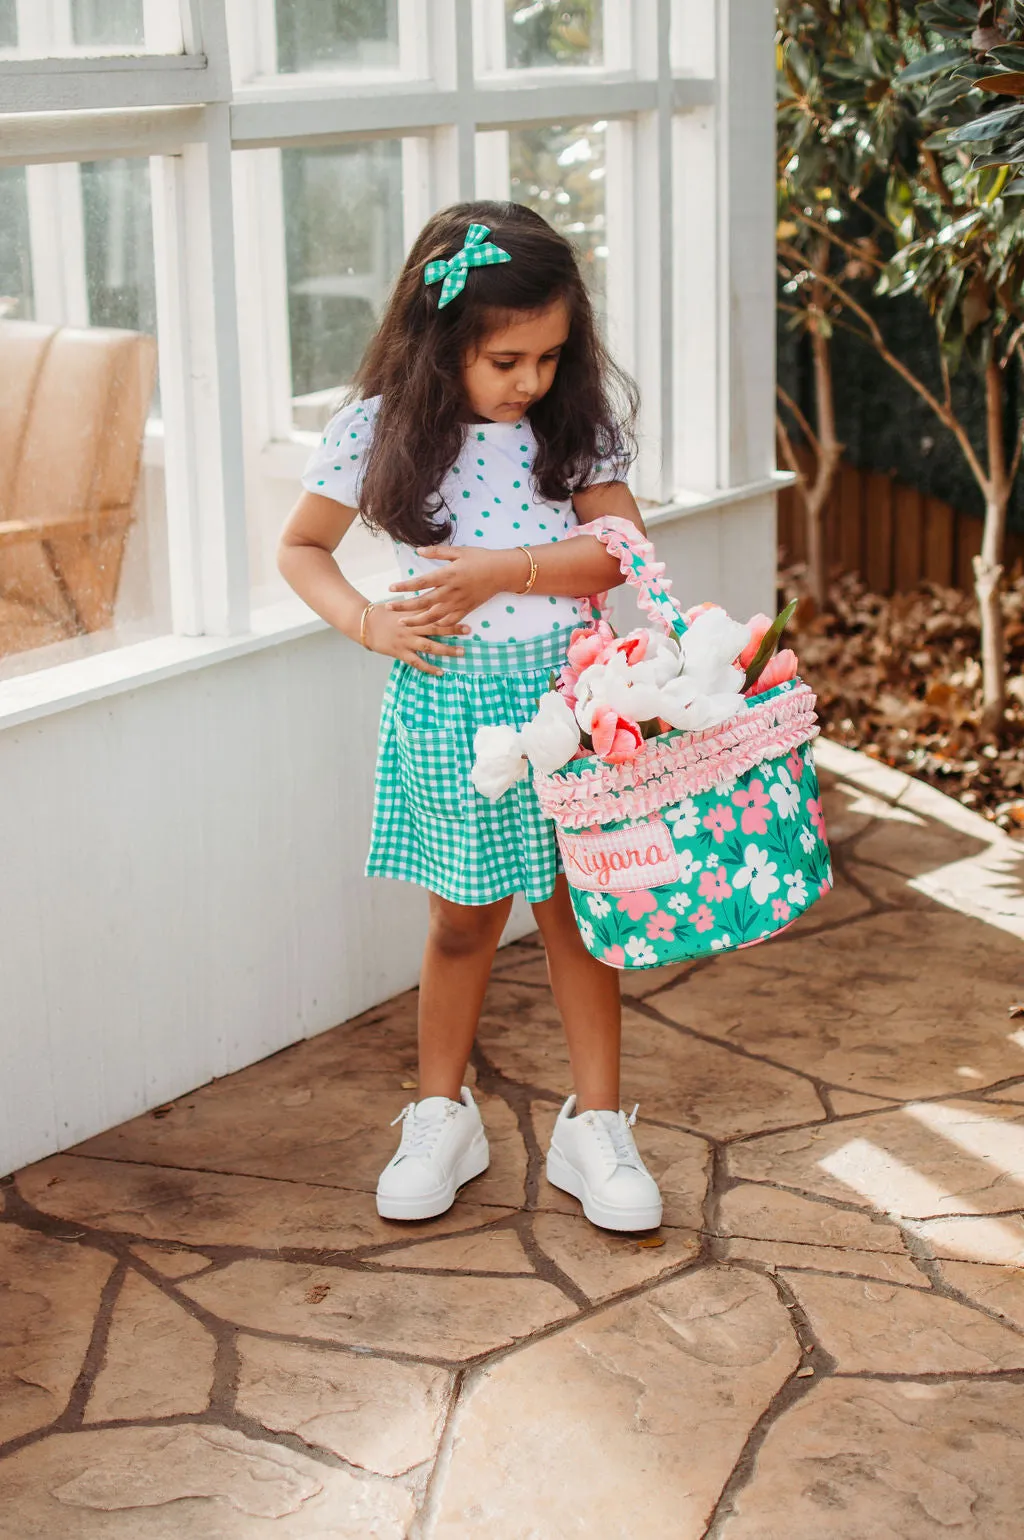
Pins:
x,y
706,840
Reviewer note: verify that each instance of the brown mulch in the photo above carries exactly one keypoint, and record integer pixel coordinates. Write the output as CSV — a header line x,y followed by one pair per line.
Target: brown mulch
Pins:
x,y
900,679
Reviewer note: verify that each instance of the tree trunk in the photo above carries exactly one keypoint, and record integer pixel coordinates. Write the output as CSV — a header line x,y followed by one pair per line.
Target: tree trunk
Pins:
x,y
829,449
988,566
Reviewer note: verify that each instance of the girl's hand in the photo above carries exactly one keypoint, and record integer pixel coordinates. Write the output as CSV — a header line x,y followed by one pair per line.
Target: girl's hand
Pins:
x,y
467,579
407,636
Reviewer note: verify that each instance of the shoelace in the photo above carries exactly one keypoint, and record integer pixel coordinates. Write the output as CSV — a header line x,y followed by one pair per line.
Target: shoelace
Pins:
x,y
419,1135
617,1140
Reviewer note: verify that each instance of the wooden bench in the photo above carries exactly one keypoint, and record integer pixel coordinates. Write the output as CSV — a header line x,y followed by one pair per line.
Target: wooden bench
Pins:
x,y
73,407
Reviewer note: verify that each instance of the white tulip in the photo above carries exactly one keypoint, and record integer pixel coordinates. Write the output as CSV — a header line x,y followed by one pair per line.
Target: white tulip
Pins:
x,y
553,736
664,657
499,761
684,705
632,691
709,651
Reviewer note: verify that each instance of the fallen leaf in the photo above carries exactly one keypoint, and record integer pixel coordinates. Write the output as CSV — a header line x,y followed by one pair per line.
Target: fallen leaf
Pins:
x,y
163,1112
651,1241
1016,1010
317,1293
804,1372
408,1085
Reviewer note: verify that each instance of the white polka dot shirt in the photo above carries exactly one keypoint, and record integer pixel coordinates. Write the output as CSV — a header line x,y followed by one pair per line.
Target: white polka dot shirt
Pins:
x,y
493,504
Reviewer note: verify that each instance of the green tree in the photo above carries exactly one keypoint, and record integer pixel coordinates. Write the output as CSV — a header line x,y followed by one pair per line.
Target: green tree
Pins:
x,y
941,225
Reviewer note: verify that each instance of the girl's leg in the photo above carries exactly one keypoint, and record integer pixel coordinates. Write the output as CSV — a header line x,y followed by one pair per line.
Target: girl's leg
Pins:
x,y
587,994
461,944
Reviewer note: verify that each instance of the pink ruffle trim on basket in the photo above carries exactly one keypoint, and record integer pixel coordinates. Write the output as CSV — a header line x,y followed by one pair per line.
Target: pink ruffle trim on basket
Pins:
x,y
623,540
667,769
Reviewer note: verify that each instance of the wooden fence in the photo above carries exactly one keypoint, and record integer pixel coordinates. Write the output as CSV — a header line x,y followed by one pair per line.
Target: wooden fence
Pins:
x,y
892,534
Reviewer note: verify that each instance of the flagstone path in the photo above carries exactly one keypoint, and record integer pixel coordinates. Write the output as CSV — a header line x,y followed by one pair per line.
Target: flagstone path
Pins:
x,y
206,1331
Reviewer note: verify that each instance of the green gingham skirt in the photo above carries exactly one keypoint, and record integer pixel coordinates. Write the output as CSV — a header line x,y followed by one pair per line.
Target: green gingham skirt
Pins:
x,y
430,824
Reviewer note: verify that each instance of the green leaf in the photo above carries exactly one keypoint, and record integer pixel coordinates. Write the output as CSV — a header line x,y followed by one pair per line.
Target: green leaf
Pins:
x,y
1009,84
986,127
770,642
1014,189
929,65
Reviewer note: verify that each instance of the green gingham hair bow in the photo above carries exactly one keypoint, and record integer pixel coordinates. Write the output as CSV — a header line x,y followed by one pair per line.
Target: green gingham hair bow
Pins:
x,y
477,252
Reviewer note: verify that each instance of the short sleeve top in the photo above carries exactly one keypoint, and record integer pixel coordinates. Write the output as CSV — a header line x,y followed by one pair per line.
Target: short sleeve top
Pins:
x,y
491,499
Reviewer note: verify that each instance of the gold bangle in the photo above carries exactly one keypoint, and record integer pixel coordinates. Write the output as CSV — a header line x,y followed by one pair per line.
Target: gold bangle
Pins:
x,y
533,569
362,626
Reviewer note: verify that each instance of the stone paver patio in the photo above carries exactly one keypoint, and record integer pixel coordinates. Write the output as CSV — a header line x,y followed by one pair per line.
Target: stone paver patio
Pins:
x,y
206,1331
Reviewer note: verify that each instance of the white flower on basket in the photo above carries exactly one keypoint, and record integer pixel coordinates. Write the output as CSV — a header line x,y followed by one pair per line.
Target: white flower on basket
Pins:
x,y
680,902
552,737
632,691
758,874
685,819
721,943
785,794
639,953
598,905
685,706
712,861
796,888
586,931
688,867
499,761
807,840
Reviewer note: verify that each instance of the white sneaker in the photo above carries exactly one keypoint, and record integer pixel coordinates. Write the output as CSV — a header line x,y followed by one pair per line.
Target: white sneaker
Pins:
x,y
593,1156
443,1145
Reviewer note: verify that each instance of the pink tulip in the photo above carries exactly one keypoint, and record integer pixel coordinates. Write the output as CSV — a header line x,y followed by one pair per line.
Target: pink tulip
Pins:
x,y
760,625
615,738
568,679
691,614
634,646
776,671
587,646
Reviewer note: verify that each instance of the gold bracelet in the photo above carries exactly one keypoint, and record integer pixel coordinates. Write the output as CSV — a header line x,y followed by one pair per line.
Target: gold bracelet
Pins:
x,y
362,626
533,569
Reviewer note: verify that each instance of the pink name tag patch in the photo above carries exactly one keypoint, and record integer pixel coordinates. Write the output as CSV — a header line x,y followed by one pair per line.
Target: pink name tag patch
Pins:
x,y
620,860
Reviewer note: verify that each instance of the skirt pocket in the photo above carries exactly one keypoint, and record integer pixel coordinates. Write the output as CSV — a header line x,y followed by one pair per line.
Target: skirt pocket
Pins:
x,y
432,769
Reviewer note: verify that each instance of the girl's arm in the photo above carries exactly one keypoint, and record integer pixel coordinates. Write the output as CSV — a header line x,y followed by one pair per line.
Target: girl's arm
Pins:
x,y
306,561
571,569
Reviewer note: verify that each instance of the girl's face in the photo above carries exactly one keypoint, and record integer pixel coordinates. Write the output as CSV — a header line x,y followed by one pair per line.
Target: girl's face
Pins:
x,y
514,366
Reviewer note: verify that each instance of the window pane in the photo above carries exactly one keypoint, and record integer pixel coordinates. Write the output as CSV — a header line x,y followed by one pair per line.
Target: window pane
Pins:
x,y
107,23
541,33
83,558
8,24
15,266
344,246
336,34
559,171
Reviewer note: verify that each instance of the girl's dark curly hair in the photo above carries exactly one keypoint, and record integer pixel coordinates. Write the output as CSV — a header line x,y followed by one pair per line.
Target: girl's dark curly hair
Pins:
x,y
415,364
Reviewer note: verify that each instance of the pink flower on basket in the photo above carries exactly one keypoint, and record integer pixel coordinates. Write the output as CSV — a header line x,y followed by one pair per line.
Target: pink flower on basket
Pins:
x,y
633,647
795,764
661,926
702,919
824,886
780,909
588,646
816,813
568,679
777,670
756,805
637,904
714,885
720,821
759,628
616,739
614,956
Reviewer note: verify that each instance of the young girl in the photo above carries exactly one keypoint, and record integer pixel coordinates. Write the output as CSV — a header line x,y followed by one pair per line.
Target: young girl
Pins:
x,y
485,426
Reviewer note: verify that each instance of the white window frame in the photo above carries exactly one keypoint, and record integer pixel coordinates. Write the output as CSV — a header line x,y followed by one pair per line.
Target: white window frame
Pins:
x,y
689,148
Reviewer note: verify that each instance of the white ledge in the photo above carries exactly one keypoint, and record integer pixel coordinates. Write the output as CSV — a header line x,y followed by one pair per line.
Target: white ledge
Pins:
x,y
65,686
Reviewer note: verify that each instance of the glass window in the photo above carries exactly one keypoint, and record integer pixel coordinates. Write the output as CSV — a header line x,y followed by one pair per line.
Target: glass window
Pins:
x,y
83,542
344,246
8,24
107,23
15,264
541,33
559,171
336,34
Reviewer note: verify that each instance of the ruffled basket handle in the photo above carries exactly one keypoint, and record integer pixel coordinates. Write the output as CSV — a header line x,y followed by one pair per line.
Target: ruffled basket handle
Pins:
x,y
641,569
